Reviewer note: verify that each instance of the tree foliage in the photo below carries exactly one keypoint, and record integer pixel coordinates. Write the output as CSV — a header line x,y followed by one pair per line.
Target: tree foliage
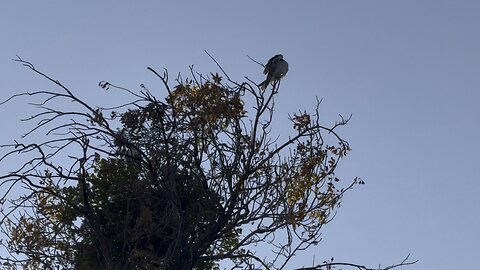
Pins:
x,y
180,182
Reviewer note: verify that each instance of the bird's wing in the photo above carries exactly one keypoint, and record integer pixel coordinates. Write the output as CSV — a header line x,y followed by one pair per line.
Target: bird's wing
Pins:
x,y
268,66
271,63
266,69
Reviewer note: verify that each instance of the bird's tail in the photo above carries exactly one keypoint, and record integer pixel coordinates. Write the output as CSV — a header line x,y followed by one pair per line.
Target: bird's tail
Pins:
x,y
263,85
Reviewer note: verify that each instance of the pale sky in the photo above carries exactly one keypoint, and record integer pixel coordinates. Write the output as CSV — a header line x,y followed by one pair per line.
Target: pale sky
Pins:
x,y
408,71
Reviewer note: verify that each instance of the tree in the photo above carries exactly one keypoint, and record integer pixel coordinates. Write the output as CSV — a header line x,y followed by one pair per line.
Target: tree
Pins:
x,y
183,182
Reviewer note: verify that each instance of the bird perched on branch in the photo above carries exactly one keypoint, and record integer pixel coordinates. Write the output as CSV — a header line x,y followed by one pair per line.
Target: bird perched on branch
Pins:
x,y
275,69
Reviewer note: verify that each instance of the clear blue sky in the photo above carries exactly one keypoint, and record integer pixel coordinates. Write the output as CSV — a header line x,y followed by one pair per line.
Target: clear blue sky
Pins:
x,y
408,71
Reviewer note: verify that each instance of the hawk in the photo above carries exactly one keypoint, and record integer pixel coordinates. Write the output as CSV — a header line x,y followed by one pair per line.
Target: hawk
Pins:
x,y
275,69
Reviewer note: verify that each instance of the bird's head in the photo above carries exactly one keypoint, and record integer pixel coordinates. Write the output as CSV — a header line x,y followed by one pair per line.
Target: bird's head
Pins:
x,y
278,57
